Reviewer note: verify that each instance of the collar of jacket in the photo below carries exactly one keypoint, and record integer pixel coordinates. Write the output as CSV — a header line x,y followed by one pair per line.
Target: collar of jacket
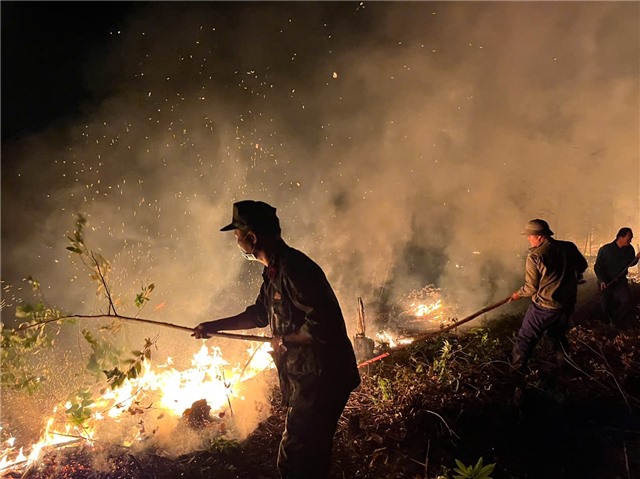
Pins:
x,y
546,241
274,260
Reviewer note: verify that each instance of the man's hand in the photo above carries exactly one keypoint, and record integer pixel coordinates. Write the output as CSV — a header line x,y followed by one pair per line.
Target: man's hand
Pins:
x,y
205,330
515,297
279,351
277,345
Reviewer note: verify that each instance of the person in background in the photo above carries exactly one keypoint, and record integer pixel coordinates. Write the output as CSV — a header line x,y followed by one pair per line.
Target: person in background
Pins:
x,y
553,271
612,264
314,357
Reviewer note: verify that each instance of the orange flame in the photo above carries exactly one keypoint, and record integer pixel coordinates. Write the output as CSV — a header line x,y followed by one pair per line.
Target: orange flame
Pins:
x,y
164,390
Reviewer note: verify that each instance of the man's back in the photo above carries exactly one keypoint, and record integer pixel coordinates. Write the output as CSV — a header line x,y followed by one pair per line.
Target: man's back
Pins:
x,y
300,298
559,265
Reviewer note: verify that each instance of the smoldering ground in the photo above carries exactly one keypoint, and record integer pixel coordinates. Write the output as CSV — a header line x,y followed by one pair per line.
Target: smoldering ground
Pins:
x,y
404,144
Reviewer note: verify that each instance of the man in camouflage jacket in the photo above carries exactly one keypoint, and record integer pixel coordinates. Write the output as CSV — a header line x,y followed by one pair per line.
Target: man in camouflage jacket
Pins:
x,y
315,359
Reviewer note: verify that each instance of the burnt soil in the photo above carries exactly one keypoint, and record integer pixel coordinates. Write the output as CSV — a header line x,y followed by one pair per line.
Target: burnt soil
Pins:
x,y
452,397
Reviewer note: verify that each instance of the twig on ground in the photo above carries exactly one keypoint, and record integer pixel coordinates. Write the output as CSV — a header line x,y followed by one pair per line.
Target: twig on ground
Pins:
x,y
626,459
426,460
607,370
445,423
622,393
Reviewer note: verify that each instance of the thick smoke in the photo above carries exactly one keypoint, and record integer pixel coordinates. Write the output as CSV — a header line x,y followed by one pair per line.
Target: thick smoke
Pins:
x,y
404,144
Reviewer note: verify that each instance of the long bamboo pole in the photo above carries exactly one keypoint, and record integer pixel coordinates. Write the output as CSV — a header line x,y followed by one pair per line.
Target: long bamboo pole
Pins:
x,y
243,337
432,334
623,272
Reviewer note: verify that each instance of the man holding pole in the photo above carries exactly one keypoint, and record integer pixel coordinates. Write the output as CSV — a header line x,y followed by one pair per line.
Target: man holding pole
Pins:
x,y
611,268
313,354
553,271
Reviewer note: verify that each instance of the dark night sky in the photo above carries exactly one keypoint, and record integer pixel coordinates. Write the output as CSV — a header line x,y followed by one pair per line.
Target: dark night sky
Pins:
x,y
411,121
45,46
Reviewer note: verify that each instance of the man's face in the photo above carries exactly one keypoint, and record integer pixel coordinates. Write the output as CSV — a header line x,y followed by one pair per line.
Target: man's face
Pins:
x,y
246,241
625,240
535,240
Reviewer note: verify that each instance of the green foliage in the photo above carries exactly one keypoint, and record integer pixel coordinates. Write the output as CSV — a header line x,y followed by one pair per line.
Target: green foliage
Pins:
x,y
77,242
224,446
385,389
17,371
440,369
79,409
144,296
99,267
479,471
105,354
132,366
18,345
97,264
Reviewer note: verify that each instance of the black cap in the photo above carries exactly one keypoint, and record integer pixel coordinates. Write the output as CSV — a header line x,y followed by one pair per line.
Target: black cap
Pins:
x,y
253,215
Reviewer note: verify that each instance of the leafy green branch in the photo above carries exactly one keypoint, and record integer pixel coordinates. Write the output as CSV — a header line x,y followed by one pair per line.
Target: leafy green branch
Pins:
x,y
20,345
116,377
81,403
94,261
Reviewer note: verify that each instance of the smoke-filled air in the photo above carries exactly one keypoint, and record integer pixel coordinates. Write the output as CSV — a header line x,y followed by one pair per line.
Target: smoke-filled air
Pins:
x,y
404,145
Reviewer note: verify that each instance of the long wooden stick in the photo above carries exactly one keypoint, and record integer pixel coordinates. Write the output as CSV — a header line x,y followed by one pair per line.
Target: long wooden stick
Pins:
x,y
244,337
431,334
623,272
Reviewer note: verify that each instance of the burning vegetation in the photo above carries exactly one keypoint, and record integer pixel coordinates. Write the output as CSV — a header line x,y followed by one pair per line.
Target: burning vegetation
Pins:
x,y
435,401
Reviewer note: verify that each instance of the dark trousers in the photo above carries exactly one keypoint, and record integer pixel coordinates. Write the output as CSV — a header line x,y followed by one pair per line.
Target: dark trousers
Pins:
x,y
616,302
539,321
305,448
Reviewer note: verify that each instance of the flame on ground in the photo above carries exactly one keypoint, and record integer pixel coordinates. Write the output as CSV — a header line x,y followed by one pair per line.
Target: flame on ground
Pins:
x,y
422,310
387,338
153,402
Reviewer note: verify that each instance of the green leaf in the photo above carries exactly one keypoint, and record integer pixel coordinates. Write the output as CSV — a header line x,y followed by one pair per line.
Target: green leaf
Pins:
x,y
460,464
485,471
139,301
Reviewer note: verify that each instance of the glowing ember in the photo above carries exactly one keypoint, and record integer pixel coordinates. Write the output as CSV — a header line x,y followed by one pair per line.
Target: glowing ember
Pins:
x,y
386,338
153,402
426,306
427,309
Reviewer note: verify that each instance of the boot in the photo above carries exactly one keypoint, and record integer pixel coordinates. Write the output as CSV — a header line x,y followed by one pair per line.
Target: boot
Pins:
x,y
518,360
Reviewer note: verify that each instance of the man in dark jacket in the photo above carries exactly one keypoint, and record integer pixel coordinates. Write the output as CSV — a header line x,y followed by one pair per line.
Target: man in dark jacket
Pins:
x,y
315,359
611,268
553,271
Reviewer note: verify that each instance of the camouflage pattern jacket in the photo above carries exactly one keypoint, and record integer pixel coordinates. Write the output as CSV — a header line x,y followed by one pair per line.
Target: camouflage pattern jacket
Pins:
x,y
296,296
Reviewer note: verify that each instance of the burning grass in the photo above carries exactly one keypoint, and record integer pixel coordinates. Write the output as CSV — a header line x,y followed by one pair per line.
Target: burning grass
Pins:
x,y
448,398
162,411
